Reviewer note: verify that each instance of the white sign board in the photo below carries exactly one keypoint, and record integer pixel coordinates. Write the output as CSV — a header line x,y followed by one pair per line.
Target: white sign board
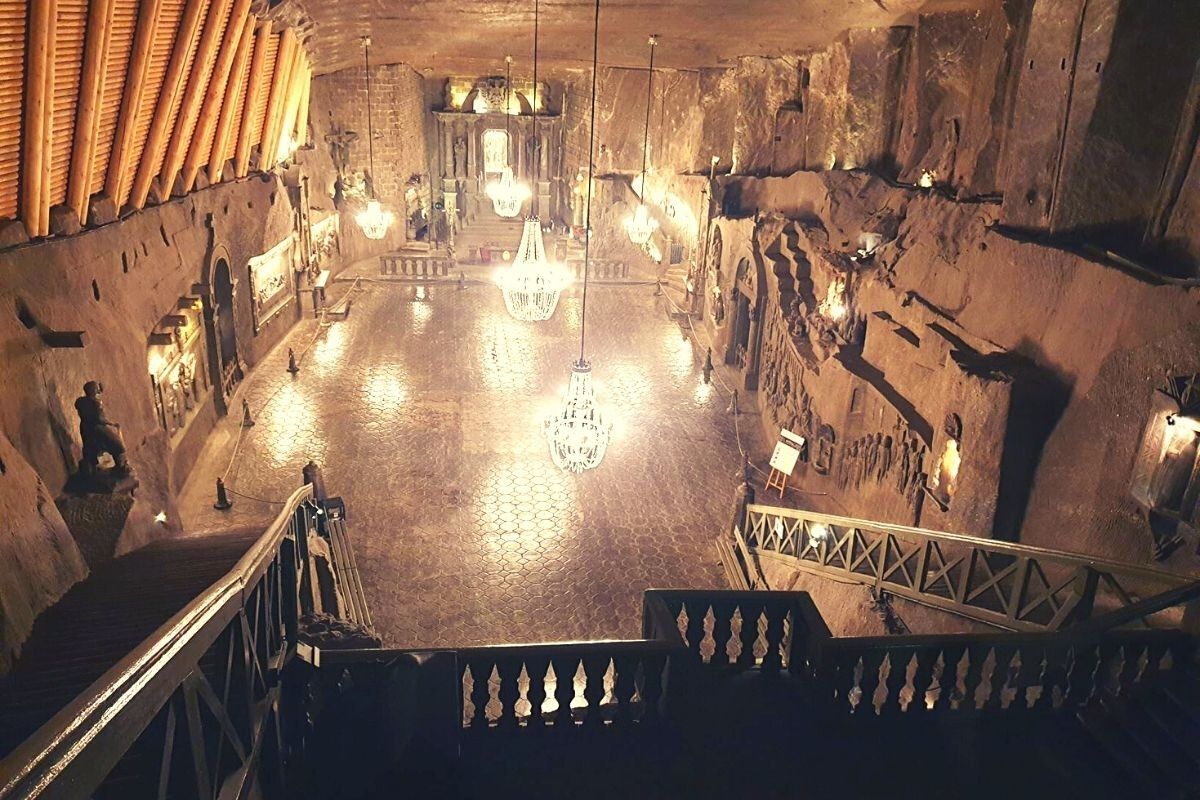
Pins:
x,y
784,458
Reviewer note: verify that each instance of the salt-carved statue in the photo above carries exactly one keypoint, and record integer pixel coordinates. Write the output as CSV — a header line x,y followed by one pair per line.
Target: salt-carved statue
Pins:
x,y
99,434
460,157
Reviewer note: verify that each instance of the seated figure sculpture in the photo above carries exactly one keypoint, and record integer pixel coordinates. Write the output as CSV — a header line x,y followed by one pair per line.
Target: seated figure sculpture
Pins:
x,y
99,434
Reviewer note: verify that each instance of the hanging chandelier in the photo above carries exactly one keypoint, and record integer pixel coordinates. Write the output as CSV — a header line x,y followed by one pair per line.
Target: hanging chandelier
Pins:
x,y
532,284
641,226
507,194
374,219
579,434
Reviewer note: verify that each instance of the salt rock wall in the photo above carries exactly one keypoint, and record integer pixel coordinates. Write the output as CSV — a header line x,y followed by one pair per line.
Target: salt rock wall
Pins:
x,y
116,284
338,116
1047,360
41,560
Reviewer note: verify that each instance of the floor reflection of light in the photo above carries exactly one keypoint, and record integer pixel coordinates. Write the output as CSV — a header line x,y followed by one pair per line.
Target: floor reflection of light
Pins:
x,y
422,312
294,431
681,354
330,348
703,393
505,348
526,511
384,389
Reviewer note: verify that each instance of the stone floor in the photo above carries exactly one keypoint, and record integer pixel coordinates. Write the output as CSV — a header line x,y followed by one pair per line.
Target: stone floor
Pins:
x,y
425,411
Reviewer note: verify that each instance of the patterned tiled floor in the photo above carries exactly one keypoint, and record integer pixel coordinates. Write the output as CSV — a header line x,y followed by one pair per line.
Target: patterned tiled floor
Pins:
x,y
424,410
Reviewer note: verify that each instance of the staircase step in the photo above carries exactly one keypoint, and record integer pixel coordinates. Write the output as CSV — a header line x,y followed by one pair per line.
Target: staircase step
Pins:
x,y
1155,742
1124,750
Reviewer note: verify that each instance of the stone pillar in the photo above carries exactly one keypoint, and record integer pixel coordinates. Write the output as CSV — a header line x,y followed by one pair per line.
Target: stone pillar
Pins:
x,y
751,381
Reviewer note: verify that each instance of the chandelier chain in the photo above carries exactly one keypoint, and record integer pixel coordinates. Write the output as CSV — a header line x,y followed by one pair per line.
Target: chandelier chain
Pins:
x,y
370,122
646,134
587,221
537,167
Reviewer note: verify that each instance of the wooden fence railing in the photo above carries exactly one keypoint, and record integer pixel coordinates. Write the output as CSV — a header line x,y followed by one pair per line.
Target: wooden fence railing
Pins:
x,y
199,703
1011,586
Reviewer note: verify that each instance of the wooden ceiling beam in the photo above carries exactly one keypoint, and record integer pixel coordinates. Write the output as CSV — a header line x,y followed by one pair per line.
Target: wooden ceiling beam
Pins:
x,y
262,40
284,60
131,98
185,122
39,79
302,114
233,96
217,91
286,136
87,114
172,85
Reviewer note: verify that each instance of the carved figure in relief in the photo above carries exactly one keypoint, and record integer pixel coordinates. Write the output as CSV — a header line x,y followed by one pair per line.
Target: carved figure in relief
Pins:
x,y
100,435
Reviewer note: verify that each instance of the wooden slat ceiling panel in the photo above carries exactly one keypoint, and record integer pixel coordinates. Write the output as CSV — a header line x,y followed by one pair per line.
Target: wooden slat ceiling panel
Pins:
x,y
264,90
207,76
187,70
244,84
160,54
68,58
12,57
123,25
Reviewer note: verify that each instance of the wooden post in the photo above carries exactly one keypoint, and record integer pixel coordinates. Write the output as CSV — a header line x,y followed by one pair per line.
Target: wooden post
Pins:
x,y
291,105
269,143
131,99
217,90
87,113
35,156
156,138
186,129
233,95
253,95
302,114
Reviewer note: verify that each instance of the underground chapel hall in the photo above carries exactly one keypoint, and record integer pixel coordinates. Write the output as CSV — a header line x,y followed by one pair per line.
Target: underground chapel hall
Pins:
x,y
607,399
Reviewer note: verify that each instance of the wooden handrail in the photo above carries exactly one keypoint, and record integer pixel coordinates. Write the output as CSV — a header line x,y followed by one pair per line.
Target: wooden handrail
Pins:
x,y
112,713
993,545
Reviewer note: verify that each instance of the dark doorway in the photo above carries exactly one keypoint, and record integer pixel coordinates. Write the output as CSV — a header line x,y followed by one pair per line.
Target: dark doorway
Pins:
x,y
739,344
224,327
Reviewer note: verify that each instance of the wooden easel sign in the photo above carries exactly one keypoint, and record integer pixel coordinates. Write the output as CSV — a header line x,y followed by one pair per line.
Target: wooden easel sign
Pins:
x,y
783,460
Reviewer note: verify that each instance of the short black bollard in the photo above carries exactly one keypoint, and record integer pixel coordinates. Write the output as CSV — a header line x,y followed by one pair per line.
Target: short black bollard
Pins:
x,y
293,367
247,420
708,366
462,281
658,289
223,503
311,473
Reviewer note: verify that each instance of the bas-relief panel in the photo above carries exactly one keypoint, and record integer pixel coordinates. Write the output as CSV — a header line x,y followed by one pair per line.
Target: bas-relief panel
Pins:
x,y
271,281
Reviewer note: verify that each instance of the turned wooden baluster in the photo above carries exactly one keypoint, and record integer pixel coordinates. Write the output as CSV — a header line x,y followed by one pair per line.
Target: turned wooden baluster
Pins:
x,y
509,670
952,656
1131,667
722,632
651,687
624,685
694,634
536,667
1054,677
751,612
976,658
897,681
772,660
594,669
564,690
923,679
1081,676
481,673
1028,676
1004,656
872,665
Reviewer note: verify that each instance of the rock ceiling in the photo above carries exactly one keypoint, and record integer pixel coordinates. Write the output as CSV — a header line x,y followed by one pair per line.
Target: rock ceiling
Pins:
x,y
449,36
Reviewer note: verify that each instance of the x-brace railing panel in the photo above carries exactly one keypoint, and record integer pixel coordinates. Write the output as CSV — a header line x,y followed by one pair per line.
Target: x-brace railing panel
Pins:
x,y
1010,586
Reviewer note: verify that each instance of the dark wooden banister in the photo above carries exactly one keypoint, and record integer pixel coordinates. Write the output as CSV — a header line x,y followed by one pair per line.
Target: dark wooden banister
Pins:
x,y
105,720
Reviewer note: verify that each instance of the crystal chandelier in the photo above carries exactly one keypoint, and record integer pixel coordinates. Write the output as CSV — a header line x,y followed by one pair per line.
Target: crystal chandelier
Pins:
x,y
507,194
641,226
532,284
579,434
374,219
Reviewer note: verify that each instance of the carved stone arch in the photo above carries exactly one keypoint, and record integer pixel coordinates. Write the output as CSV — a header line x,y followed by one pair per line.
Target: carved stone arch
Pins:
x,y
219,303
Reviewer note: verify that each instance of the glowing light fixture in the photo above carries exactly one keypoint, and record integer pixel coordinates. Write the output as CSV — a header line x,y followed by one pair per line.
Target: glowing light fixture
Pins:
x,y
579,434
641,226
532,284
374,219
927,179
507,194
833,307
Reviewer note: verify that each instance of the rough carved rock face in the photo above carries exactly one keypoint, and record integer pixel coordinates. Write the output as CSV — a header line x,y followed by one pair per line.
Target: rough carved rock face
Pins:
x,y
448,35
